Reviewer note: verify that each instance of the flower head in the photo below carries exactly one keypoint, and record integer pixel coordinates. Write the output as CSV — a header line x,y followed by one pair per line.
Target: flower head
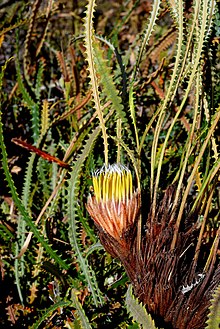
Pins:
x,y
115,205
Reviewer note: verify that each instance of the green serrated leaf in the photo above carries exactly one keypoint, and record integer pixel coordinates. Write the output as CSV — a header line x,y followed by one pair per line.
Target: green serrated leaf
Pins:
x,y
73,190
138,311
89,39
213,321
48,312
39,79
80,313
33,107
21,207
106,80
147,32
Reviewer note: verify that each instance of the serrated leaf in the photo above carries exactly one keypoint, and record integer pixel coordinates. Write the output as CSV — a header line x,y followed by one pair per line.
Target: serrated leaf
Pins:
x,y
213,321
48,312
33,292
73,190
44,117
138,311
148,31
106,79
89,39
80,313
20,205
31,104
39,79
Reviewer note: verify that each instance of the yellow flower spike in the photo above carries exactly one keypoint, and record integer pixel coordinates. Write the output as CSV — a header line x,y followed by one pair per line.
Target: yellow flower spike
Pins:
x,y
126,175
125,178
123,187
118,188
101,185
109,182
114,206
130,186
114,187
96,188
111,186
113,183
104,188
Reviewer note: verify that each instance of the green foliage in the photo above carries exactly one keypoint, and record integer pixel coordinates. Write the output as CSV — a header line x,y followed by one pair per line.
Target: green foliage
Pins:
x,y
49,311
90,56
80,314
106,80
213,321
74,188
139,85
146,34
21,207
31,104
39,79
138,311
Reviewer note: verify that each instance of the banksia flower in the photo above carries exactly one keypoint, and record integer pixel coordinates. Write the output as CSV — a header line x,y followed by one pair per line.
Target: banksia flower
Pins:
x,y
115,205
176,293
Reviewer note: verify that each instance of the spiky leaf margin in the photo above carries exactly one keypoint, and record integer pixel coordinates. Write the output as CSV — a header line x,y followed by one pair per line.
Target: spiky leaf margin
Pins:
x,y
32,106
146,34
48,312
90,57
72,205
15,196
39,79
80,313
106,79
206,11
138,311
213,321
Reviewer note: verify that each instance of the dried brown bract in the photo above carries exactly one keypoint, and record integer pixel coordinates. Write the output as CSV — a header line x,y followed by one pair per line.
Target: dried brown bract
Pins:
x,y
175,291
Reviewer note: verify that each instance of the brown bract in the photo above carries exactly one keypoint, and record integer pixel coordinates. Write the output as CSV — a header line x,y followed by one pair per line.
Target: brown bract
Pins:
x,y
115,218
176,293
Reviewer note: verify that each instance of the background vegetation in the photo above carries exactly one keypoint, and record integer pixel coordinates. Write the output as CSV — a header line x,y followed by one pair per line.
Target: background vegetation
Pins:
x,y
125,81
